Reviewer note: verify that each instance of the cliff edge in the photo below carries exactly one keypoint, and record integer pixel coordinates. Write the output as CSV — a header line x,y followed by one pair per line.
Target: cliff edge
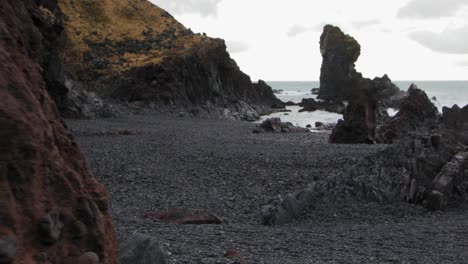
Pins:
x,y
133,53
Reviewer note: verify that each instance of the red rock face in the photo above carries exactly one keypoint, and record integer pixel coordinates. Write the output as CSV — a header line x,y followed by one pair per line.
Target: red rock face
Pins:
x,y
51,208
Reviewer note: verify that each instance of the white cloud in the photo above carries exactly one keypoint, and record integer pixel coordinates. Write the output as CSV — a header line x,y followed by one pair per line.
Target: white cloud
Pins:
x,y
452,41
203,7
463,63
300,29
366,23
237,46
427,9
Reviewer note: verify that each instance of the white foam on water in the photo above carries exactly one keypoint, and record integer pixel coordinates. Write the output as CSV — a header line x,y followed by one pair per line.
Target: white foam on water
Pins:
x,y
303,119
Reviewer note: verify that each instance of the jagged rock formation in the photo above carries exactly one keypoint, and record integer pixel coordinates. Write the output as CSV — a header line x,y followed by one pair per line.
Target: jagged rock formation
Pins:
x,y
52,210
416,112
132,52
274,125
339,81
427,168
338,76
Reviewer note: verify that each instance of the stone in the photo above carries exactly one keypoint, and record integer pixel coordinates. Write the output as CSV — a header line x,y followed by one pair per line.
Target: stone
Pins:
x,y
436,201
274,125
141,249
185,217
50,228
451,175
7,249
88,258
416,112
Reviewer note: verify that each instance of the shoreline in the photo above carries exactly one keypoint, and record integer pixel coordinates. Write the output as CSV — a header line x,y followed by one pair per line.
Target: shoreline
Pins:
x,y
172,161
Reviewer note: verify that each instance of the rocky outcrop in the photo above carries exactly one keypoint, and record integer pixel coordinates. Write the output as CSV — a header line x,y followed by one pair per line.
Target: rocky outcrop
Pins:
x,y
311,105
274,125
427,169
338,76
134,54
416,112
339,81
141,249
52,210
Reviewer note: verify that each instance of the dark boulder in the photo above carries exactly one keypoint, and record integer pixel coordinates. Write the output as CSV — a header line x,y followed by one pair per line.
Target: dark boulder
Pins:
x,y
455,118
311,105
274,125
141,249
416,112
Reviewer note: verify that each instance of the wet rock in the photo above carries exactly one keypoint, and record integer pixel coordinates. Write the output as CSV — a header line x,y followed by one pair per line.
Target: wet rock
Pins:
x,y
274,125
141,249
315,91
185,217
7,249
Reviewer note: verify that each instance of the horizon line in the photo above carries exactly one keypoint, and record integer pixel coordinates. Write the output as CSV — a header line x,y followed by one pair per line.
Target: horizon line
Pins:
x,y
392,80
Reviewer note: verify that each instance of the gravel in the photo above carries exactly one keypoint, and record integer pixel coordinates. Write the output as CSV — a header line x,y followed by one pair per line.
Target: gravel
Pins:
x,y
222,167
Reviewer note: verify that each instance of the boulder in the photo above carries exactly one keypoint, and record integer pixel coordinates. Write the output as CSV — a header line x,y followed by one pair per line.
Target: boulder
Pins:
x,y
455,118
311,105
141,249
43,176
274,125
416,112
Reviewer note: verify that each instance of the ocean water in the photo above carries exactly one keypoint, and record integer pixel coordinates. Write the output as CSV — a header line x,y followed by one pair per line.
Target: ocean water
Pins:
x,y
442,93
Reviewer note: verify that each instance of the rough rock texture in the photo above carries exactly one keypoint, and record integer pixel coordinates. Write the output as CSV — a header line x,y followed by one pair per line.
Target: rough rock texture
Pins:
x,y
416,112
310,105
141,249
339,81
360,121
51,208
426,169
274,125
134,54
338,76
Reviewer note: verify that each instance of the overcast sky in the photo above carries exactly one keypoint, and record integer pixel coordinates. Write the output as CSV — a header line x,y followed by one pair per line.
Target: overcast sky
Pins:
x,y
278,40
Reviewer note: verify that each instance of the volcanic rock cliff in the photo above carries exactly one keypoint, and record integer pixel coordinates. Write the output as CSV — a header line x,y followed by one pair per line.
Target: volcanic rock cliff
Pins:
x,y
134,53
52,210
339,81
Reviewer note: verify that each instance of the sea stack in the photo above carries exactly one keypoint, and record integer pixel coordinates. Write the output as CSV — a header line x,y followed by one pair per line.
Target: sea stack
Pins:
x,y
339,82
338,76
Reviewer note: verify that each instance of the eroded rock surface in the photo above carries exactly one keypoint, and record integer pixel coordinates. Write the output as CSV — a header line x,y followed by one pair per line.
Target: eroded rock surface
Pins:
x,y
44,181
121,55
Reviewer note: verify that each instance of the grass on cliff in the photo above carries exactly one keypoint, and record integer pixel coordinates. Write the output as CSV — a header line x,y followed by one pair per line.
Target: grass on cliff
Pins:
x,y
116,21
